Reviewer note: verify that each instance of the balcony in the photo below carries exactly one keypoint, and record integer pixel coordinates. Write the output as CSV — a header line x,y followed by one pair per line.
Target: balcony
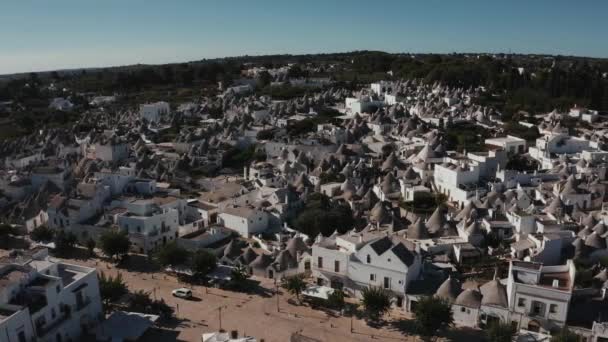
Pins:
x,y
45,329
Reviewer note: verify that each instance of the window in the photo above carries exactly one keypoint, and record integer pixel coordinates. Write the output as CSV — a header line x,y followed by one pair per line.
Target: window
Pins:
x,y
387,282
389,259
57,288
336,266
369,259
521,302
553,308
538,308
372,277
320,262
462,309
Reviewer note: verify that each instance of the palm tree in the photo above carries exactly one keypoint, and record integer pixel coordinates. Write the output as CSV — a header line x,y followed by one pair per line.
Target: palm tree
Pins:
x,y
294,284
376,302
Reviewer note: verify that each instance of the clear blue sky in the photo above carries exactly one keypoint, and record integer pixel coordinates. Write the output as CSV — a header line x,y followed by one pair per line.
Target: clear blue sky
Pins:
x,y
50,34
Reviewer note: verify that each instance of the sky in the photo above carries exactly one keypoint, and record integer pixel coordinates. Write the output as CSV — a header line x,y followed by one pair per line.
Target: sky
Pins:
x,y
40,35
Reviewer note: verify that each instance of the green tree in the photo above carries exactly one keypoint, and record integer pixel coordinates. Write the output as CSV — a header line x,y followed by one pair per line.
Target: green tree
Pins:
x,y
141,301
564,335
172,255
114,243
264,79
111,288
294,284
64,242
376,302
322,216
238,277
5,231
500,332
90,244
42,233
432,314
336,299
203,262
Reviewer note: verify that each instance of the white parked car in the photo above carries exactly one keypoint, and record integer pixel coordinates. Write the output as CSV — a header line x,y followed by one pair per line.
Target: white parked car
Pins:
x,y
182,293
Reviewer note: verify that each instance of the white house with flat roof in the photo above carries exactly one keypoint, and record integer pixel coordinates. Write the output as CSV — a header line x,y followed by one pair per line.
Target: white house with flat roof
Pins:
x,y
42,299
244,220
149,226
509,143
153,112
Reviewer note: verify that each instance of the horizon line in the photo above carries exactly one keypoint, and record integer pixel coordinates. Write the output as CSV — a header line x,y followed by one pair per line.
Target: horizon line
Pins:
x,y
77,68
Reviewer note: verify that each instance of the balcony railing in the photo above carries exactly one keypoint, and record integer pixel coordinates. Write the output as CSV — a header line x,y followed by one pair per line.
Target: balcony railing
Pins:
x,y
45,329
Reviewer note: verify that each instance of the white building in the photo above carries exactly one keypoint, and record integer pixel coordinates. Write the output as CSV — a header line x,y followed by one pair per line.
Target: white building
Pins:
x,y
45,300
244,220
354,261
149,226
509,143
457,182
153,112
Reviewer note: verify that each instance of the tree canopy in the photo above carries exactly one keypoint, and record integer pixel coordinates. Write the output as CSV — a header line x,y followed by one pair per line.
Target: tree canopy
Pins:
x,y
376,302
203,262
172,255
432,315
322,216
294,284
114,243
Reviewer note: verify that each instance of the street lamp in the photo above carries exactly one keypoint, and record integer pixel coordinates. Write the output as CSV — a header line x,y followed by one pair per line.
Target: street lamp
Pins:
x,y
277,292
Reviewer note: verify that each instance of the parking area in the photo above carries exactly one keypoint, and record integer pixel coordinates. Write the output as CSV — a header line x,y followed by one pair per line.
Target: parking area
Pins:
x,y
261,315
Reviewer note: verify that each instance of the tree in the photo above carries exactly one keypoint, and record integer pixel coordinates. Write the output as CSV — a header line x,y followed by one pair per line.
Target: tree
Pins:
x,y
322,216
294,284
64,242
336,299
203,262
172,255
5,231
238,277
114,243
90,244
264,79
42,233
432,314
376,302
500,332
141,301
564,335
111,288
